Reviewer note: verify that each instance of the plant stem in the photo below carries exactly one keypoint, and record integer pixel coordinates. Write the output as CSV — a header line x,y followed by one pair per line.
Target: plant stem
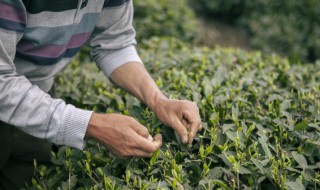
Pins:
x,y
238,181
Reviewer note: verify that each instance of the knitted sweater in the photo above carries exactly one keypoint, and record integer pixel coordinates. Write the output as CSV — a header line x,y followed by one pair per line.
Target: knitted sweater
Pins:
x,y
37,40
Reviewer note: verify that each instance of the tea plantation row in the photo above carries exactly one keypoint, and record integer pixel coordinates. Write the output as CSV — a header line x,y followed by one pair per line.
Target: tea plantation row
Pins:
x,y
288,27
260,117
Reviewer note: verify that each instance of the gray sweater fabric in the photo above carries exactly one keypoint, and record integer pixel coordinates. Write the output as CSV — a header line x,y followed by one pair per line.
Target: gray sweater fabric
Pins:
x,y
38,38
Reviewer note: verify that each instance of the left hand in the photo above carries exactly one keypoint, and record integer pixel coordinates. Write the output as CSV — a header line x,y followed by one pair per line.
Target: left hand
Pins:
x,y
181,115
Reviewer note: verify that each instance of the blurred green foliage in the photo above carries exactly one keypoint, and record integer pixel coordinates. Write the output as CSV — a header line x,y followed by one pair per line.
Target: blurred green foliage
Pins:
x,y
226,10
291,28
164,18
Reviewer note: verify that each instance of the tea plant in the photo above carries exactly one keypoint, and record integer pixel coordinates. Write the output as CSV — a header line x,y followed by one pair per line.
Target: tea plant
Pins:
x,y
164,18
260,117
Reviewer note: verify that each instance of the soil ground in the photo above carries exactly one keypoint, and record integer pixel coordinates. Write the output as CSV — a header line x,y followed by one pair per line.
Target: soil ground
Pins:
x,y
213,33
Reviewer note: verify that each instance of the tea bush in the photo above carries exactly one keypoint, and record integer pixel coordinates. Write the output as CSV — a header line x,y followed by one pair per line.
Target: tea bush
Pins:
x,y
291,28
260,117
164,18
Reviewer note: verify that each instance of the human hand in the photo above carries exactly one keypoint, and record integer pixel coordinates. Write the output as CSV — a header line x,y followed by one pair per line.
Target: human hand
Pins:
x,y
181,115
123,135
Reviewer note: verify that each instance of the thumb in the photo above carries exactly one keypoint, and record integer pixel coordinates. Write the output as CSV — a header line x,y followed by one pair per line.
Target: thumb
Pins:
x,y
181,130
148,146
157,140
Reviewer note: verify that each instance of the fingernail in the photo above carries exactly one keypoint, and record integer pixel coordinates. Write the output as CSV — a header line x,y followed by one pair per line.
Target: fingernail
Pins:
x,y
184,139
150,138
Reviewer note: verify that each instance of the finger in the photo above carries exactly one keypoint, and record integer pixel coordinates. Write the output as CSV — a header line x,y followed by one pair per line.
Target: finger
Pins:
x,y
194,122
150,138
158,140
192,116
155,145
181,130
185,123
140,129
192,133
150,146
143,147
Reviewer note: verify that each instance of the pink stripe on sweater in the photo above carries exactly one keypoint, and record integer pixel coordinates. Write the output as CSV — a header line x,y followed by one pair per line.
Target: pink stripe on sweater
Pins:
x,y
52,50
11,13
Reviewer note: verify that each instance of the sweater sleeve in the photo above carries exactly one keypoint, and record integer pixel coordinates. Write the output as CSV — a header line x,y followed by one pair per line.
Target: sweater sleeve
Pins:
x,y
25,105
113,41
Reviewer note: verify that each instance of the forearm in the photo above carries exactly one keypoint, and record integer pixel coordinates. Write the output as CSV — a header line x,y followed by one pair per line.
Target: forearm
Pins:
x,y
108,128
135,79
33,111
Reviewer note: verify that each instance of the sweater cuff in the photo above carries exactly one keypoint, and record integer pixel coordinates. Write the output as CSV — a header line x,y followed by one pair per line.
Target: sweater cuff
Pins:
x,y
75,126
118,58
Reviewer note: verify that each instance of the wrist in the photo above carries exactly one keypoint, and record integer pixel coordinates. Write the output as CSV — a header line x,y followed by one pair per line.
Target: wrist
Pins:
x,y
157,102
93,125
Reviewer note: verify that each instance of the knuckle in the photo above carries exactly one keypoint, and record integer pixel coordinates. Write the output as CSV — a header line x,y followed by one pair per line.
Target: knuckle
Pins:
x,y
144,129
194,105
173,124
180,130
131,121
185,101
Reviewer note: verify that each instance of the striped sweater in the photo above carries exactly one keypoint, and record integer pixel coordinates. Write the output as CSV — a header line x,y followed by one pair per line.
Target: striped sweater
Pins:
x,y
37,40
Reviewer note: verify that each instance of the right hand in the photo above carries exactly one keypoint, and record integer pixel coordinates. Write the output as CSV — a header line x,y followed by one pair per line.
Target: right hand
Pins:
x,y
122,135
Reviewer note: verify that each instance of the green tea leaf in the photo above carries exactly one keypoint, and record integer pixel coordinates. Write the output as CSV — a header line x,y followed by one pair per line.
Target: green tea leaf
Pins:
x,y
265,148
285,105
301,126
154,157
215,173
208,150
243,170
295,185
313,125
300,159
221,184
315,142
259,165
